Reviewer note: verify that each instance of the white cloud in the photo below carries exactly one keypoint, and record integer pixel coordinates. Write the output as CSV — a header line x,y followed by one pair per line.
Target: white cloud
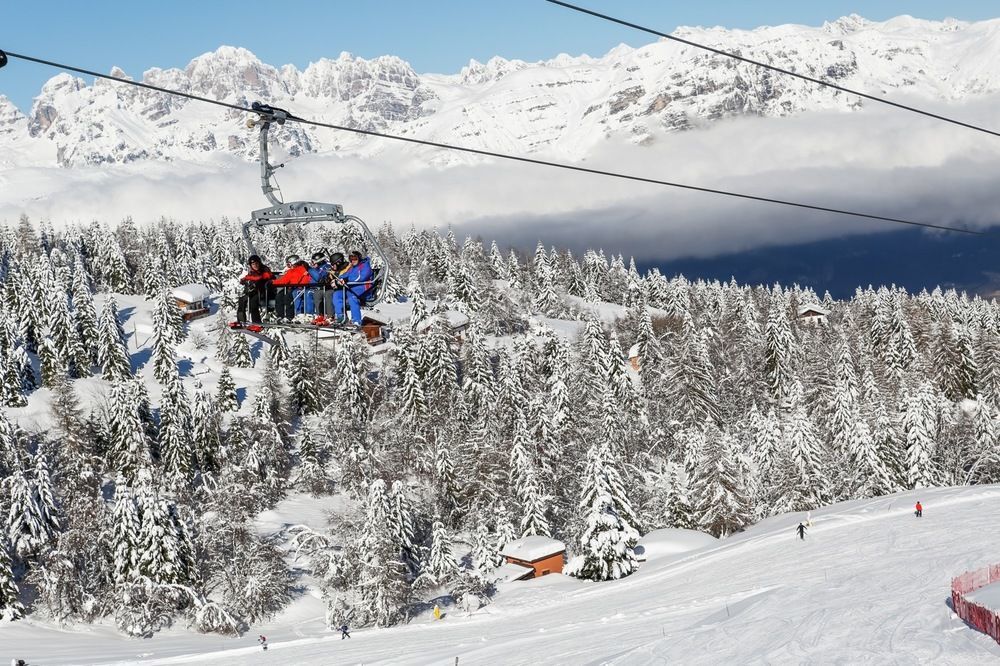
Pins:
x,y
880,160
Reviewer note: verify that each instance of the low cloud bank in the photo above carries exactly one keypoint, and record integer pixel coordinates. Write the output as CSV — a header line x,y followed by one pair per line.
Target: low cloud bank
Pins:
x,y
879,161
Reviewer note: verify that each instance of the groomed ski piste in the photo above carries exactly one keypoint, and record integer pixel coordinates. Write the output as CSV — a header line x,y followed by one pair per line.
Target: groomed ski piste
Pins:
x,y
869,584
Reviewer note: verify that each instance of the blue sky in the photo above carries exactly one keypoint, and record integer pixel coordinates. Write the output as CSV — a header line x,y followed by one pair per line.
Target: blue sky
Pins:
x,y
435,36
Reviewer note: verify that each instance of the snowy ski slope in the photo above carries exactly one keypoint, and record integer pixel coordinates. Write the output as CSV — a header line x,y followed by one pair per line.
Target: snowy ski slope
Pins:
x,y
870,584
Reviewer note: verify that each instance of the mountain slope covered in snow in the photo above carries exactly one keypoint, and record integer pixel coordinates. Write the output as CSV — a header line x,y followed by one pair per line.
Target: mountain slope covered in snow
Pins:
x,y
565,106
868,585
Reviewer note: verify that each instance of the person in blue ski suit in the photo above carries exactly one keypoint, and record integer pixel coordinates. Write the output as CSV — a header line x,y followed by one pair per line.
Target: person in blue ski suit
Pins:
x,y
353,285
319,271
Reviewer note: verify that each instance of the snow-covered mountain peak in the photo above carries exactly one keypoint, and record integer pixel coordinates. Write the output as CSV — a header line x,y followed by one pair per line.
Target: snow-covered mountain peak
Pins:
x,y
12,121
119,73
846,25
496,68
233,71
8,111
61,83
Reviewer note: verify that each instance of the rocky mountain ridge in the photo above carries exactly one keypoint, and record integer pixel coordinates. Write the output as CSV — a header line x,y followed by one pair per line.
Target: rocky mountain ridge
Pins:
x,y
561,107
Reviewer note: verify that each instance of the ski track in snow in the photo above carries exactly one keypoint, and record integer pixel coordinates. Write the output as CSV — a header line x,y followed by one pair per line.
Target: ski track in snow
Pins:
x,y
869,585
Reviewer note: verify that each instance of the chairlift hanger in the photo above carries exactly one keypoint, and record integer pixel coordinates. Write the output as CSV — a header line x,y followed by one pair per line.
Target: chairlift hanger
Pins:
x,y
282,213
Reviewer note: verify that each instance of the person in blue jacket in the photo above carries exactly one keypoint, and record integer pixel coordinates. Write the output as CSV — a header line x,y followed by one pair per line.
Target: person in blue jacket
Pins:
x,y
319,271
353,285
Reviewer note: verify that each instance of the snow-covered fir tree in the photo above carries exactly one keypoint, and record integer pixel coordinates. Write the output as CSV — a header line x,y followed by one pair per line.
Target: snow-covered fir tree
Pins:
x,y
112,349
206,432
225,392
440,567
11,607
609,536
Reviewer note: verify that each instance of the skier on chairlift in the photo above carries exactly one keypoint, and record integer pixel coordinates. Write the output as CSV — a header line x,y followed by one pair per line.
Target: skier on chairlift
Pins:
x,y
315,296
354,284
289,287
255,282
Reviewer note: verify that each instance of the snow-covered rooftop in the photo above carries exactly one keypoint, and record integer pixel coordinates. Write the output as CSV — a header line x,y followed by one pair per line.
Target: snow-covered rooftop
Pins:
x,y
508,572
532,548
192,293
806,309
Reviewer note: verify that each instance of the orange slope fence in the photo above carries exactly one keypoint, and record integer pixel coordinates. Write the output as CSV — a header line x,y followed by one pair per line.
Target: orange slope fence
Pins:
x,y
980,617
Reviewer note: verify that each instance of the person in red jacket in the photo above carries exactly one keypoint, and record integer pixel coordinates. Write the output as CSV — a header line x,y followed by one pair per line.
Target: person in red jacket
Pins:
x,y
919,509
289,287
254,280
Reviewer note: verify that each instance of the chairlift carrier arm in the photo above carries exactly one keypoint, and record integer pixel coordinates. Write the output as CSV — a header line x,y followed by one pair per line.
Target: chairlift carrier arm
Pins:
x,y
280,213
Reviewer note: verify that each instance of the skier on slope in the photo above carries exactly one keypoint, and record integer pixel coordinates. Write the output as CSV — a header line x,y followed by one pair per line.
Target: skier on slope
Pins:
x,y
344,633
262,639
919,510
801,529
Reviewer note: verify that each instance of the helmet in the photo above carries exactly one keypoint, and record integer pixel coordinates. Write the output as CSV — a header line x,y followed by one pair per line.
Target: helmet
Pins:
x,y
337,258
253,258
318,256
291,259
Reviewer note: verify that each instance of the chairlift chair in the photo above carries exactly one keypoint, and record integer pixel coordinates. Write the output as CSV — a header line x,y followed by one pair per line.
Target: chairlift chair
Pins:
x,y
281,213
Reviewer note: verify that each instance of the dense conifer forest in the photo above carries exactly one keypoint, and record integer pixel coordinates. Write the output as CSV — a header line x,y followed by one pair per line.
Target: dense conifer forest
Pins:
x,y
135,503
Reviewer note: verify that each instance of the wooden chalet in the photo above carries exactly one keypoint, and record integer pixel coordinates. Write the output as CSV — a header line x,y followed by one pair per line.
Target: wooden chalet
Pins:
x,y
532,557
812,314
193,300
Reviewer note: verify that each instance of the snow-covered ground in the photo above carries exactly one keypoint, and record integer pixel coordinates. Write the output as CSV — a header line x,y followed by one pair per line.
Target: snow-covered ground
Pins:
x,y
672,542
870,584
988,596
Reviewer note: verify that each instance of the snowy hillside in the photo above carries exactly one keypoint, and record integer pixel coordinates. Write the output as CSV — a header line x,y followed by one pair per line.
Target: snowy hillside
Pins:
x,y
192,488
566,106
868,585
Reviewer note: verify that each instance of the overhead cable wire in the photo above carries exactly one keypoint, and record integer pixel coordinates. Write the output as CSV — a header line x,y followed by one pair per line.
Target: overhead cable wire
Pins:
x,y
775,68
514,158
